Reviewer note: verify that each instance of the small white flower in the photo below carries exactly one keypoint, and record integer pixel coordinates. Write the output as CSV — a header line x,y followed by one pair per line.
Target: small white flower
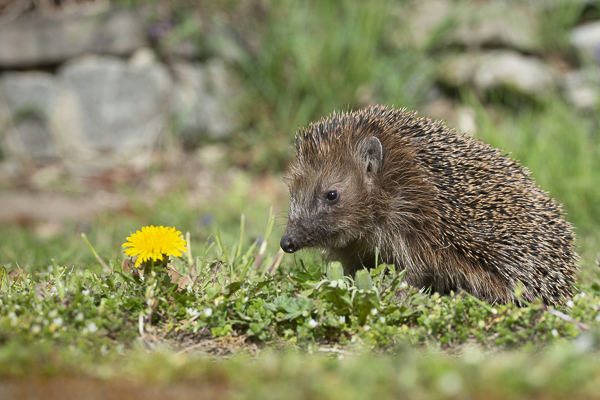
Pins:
x,y
79,317
366,327
192,311
12,315
353,340
403,285
312,323
57,321
374,311
597,318
92,327
207,312
188,288
342,319
582,294
85,292
554,333
382,320
35,329
494,311
570,304
305,313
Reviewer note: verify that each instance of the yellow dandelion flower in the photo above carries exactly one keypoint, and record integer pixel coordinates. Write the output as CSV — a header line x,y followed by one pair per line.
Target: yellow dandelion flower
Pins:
x,y
154,242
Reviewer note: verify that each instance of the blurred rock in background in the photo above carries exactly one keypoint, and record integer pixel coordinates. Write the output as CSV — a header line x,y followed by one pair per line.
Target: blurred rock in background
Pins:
x,y
30,101
98,84
80,84
36,39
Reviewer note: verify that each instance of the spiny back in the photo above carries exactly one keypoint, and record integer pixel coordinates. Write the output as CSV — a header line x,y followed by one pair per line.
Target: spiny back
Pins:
x,y
449,208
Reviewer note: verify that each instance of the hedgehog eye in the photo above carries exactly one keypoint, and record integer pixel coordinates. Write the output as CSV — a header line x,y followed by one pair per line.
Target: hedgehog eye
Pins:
x,y
332,195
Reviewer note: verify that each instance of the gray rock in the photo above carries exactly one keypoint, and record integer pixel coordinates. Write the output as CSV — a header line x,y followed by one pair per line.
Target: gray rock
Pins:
x,y
112,107
499,69
458,70
582,89
29,102
101,111
419,21
511,70
586,38
18,205
203,99
185,48
496,24
467,24
34,40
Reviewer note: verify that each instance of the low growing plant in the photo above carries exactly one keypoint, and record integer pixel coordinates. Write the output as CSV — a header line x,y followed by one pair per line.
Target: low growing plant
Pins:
x,y
250,295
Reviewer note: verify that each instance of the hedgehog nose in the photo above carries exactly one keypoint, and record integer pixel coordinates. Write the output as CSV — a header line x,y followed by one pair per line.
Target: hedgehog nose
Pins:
x,y
288,243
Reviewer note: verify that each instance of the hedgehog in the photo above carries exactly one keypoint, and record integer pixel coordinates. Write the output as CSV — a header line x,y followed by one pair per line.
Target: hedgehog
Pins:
x,y
451,210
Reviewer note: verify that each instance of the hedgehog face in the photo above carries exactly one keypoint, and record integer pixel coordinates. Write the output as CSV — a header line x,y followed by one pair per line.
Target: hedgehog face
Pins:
x,y
330,200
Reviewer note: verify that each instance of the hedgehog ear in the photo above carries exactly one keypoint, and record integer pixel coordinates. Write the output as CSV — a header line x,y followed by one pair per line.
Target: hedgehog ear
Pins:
x,y
371,153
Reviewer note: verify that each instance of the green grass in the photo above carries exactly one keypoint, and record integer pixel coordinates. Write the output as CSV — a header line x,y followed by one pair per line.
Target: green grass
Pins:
x,y
564,372
203,218
238,289
307,66
76,324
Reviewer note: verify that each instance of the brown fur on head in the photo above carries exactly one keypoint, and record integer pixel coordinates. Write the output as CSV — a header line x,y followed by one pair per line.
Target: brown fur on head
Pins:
x,y
447,208
371,191
331,192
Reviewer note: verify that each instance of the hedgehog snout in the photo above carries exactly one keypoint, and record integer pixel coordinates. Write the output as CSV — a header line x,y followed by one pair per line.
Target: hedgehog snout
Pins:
x,y
289,243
